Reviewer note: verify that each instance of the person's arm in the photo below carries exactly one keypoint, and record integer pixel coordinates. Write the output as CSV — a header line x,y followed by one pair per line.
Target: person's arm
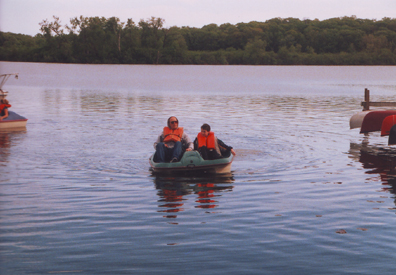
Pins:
x,y
225,146
5,114
159,139
186,139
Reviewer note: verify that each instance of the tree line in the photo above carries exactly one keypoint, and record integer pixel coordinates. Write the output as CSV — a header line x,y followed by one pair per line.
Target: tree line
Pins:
x,y
288,41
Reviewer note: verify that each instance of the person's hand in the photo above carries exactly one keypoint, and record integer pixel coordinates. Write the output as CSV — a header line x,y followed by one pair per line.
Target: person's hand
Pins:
x,y
233,152
188,149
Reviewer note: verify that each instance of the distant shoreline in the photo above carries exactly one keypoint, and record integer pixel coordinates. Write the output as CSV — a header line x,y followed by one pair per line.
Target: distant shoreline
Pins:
x,y
290,41
227,65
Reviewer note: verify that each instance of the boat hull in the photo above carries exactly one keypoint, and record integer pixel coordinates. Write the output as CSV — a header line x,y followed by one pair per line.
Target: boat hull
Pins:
x,y
191,163
387,124
13,121
13,124
373,121
357,119
392,136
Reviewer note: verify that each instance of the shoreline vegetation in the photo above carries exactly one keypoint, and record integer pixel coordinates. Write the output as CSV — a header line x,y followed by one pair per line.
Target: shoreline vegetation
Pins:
x,y
288,41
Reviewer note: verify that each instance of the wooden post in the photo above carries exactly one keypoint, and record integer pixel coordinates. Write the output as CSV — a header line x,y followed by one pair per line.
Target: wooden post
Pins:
x,y
366,105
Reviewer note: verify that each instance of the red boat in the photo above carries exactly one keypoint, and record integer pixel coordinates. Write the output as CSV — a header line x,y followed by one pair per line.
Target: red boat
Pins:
x,y
387,124
373,120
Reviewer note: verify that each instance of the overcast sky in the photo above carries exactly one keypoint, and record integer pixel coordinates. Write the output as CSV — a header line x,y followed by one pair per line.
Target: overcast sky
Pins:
x,y
24,16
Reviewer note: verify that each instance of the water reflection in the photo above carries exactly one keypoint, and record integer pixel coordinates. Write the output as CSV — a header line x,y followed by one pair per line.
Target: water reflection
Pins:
x,y
174,192
378,160
96,102
8,138
206,195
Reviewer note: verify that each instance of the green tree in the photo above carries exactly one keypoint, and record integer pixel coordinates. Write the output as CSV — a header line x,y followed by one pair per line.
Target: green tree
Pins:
x,y
57,47
130,43
255,52
152,38
174,47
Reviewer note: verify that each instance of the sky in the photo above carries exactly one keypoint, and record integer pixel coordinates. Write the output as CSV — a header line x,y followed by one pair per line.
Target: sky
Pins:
x,y
24,16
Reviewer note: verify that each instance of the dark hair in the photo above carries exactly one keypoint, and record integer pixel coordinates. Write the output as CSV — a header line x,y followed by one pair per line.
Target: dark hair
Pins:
x,y
205,127
169,120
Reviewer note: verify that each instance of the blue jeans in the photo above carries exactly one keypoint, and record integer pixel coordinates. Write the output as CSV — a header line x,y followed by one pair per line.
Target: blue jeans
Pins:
x,y
164,154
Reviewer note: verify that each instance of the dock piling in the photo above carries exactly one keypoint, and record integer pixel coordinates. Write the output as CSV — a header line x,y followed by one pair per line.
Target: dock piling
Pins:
x,y
367,103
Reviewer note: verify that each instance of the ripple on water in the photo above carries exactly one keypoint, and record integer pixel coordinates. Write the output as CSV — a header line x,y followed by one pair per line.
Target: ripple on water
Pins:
x,y
77,196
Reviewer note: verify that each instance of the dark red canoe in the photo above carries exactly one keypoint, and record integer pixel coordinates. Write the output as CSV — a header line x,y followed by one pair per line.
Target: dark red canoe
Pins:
x,y
373,121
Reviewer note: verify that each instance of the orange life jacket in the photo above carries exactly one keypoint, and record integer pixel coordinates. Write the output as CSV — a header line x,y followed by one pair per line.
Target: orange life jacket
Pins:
x,y
173,135
209,142
2,107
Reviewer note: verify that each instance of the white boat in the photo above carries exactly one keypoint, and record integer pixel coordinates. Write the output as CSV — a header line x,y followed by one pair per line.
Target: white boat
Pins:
x,y
357,119
13,120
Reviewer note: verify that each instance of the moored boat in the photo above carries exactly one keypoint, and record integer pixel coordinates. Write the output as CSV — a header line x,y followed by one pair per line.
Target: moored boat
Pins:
x,y
192,162
357,119
387,124
378,120
13,120
373,120
392,136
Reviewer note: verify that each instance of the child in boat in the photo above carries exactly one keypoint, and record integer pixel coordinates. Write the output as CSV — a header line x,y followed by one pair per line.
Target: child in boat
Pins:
x,y
4,105
209,146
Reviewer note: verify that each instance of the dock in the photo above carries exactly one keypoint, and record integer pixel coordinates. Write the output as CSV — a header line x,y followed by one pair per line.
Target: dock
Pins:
x,y
367,103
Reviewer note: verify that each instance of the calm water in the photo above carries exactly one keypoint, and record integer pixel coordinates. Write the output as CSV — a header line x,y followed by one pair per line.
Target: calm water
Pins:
x,y
77,197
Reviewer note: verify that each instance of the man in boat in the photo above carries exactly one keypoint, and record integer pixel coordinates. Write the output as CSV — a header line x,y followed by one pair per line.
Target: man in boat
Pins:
x,y
172,142
209,146
4,105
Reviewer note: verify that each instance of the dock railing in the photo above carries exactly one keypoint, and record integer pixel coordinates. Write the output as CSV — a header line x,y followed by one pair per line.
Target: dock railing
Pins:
x,y
367,103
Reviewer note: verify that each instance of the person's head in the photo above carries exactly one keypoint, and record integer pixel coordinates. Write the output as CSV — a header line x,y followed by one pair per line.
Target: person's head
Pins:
x,y
4,101
173,123
205,129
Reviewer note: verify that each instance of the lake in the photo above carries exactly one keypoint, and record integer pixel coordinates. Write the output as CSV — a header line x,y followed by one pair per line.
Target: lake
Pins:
x,y
77,196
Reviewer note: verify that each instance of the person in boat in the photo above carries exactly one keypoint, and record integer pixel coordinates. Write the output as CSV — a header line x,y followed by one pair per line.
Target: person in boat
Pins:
x,y
172,142
4,105
209,146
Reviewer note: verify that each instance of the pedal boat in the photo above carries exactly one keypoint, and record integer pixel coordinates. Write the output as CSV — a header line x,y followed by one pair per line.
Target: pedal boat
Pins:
x,y
192,162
